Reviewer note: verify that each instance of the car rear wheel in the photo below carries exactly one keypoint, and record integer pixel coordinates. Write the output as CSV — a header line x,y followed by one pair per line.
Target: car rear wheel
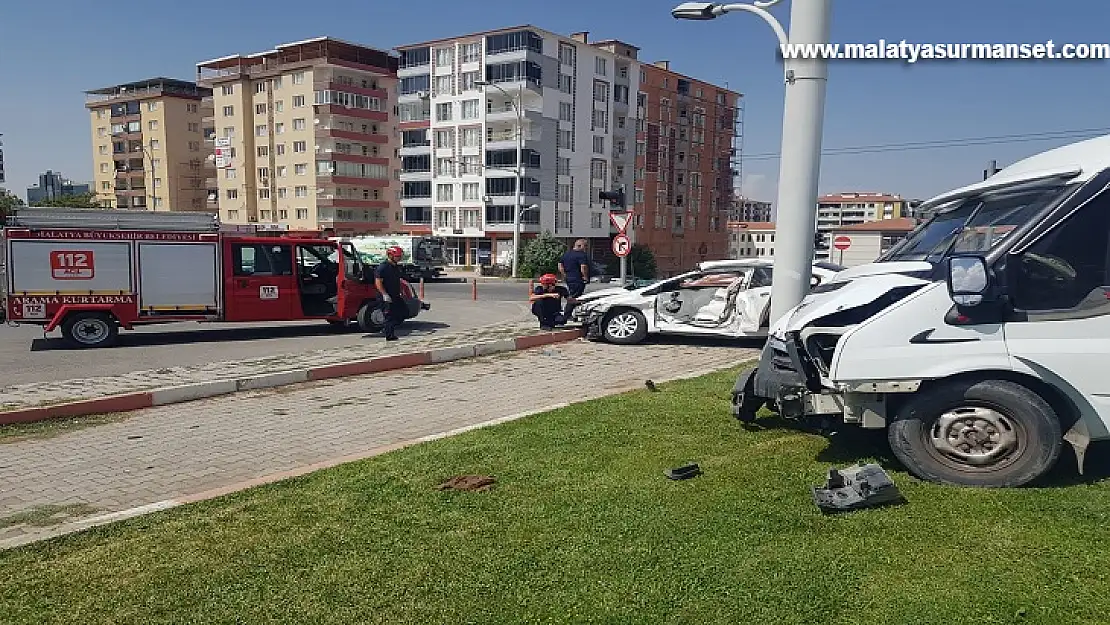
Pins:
x,y
90,329
624,327
371,317
987,433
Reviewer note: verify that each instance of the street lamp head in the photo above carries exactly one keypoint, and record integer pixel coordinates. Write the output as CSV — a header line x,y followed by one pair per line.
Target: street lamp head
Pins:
x,y
696,11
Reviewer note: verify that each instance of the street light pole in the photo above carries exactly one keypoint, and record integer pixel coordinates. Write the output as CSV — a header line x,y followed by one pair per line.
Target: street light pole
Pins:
x,y
802,128
518,207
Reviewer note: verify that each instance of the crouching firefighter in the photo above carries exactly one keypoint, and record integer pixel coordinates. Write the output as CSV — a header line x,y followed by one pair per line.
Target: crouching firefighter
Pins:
x,y
387,279
547,302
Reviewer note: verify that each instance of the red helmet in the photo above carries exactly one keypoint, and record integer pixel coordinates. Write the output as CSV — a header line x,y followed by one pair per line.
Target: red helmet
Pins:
x,y
548,279
394,251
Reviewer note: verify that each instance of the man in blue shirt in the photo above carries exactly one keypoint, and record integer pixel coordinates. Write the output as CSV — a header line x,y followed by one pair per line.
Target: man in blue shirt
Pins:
x,y
575,268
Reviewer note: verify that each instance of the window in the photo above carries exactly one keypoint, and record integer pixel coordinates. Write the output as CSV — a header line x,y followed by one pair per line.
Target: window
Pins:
x,y
566,83
470,109
596,220
157,183
471,218
471,165
299,124
565,139
300,191
444,192
566,54
563,166
283,193
261,259
443,86
601,91
445,56
471,192
260,86
279,128
279,106
263,151
263,173
566,112
228,89
279,149
443,112
598,169
468,81
601,66
445,218
300,169
260,130
601,120
103,149
229,133
298,101
263,194
155,144
302,213
1066,268
471,137
260,109
599,145
445,167
298,78
564,192
229,173
445,139
152,124
299,147
281,171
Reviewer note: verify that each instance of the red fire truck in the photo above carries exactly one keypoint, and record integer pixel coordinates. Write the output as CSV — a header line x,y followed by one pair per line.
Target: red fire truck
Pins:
x,y
91,272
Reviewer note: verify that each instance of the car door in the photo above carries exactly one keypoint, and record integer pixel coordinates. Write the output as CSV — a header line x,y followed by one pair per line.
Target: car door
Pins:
x,y
1059,288
261,284
698,304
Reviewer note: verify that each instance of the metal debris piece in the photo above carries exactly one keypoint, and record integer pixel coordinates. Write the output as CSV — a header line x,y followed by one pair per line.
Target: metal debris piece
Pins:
x,y
468,483
684,472
650,385
853,488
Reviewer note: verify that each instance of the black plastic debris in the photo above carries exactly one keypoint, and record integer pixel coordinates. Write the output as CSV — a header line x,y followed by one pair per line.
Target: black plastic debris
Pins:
x,y
853,488
684,472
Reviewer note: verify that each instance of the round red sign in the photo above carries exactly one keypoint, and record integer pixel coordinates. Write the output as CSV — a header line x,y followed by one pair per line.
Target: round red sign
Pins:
x,y
842,243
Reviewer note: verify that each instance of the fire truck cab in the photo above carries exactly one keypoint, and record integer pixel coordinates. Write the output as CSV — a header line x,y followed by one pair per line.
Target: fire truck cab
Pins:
x,y
91,272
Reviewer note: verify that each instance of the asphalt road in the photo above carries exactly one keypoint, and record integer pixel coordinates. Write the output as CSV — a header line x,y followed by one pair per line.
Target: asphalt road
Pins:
x,y
25,356
488,290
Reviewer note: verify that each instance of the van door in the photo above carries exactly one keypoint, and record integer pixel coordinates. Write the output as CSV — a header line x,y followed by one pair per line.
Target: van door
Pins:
x,y
260,284
1059,288
353,290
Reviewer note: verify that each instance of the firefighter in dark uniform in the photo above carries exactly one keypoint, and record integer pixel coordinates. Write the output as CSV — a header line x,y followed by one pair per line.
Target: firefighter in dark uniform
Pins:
x,y
547,302
387,278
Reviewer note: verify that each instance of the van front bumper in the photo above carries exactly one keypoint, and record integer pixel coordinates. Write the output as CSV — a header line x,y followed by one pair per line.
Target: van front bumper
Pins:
x,y
784,376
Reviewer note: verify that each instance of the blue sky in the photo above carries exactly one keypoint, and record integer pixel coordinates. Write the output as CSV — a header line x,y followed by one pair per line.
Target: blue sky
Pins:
x,y
50,52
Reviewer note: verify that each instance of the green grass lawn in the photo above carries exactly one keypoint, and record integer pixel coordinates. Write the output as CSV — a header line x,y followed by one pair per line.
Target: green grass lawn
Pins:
x,y
582,526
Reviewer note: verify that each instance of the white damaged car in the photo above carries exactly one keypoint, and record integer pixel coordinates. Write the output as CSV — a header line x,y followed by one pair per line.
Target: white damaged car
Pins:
x,y
725,298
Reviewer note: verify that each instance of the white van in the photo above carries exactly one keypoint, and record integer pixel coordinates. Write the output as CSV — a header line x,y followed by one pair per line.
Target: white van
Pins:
x,y
979,342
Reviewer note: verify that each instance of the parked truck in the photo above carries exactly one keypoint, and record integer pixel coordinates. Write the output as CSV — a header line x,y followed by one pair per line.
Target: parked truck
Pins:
x,y
979,342
92,272
424,256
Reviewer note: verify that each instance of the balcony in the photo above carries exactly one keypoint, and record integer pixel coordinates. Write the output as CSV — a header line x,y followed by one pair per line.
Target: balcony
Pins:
x,y
507,139
416,149
506,113
416,175
324,130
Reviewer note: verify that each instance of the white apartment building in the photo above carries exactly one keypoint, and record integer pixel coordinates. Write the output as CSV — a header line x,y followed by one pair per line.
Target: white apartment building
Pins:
x,y
459,131
751,239
305,136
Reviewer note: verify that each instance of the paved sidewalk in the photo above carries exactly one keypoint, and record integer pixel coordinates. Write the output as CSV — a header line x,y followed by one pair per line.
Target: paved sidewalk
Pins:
x,y
45,393
159,457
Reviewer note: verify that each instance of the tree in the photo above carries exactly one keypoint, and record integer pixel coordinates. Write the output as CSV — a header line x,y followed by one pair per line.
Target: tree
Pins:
x,y
8,203
79,200
641,263
541,255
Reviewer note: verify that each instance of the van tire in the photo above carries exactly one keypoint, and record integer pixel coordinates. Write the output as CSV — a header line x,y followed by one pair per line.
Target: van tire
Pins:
x,y
86,330
948,432
368,321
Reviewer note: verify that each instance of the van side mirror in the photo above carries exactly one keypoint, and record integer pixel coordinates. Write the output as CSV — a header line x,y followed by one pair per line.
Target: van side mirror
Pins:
x,y
969,280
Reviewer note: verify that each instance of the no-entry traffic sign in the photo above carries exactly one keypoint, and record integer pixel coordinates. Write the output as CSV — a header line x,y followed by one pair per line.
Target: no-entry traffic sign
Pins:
x,y
621,245
842,243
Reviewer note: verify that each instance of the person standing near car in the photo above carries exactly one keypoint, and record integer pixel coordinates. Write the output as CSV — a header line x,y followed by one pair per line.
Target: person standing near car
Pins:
x,y
387,279
575,268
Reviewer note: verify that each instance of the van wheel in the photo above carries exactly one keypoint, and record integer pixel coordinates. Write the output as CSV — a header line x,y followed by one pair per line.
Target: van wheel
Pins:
x,y
624,327
371,317
90,329
988,433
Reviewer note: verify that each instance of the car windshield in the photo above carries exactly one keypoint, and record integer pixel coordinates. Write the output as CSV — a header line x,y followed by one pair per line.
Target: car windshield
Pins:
x,y
974,224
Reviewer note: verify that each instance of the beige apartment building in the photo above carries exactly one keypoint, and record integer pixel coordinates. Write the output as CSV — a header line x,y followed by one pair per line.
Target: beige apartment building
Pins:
x,y
305,137
148,143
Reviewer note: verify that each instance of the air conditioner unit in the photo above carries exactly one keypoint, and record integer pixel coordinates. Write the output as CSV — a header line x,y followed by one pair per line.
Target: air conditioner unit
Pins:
x,y
422,94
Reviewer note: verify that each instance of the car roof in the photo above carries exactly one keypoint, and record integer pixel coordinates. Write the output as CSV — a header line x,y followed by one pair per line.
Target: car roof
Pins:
x,y
763,261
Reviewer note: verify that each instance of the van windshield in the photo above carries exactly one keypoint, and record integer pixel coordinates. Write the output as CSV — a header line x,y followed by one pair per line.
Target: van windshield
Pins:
x,y
974,224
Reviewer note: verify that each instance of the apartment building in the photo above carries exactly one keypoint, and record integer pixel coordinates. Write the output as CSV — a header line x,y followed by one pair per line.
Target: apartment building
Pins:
x,y
463,104
837,210
306,134
53,185
747,209
751,239
685,167
148,145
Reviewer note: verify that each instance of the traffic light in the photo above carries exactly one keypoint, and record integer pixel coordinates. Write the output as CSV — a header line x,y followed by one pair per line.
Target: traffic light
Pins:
x,y
819,241
615,198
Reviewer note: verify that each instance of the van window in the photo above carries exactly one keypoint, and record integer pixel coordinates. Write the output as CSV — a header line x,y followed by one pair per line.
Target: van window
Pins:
x,y
1067,267
258,259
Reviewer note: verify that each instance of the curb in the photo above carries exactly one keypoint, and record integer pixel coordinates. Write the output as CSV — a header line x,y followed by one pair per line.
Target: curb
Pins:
x,y
201,390
228,489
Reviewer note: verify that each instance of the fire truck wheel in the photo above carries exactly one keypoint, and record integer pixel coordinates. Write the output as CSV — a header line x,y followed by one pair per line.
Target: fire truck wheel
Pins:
x,y
90,329
371,318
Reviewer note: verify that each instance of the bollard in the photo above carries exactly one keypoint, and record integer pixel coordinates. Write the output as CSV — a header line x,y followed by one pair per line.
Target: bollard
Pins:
x,y
421,288
531,287
474,288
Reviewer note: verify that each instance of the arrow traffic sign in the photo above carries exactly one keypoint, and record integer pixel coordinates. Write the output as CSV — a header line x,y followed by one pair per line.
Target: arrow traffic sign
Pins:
x,y
621,245
620,221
